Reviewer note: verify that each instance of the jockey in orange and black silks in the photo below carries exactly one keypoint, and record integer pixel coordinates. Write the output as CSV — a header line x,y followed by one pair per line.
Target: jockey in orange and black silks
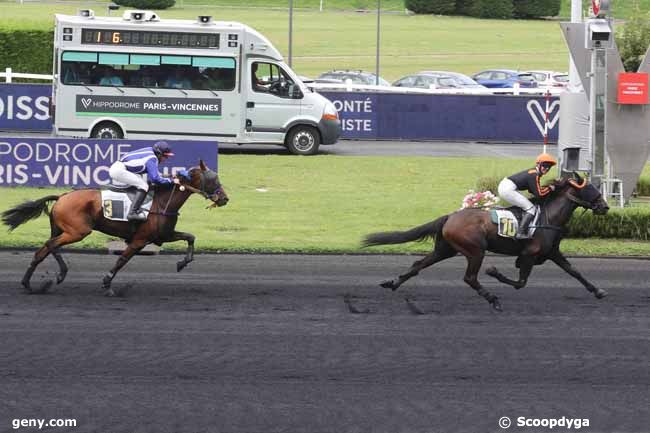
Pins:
x,y
527,180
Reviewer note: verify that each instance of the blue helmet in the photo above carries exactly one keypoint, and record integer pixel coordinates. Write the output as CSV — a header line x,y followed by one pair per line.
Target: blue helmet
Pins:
x,y
162,148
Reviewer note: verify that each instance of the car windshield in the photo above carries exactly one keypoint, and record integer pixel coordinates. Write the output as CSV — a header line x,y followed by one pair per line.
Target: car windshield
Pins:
x,y
526,77
561,78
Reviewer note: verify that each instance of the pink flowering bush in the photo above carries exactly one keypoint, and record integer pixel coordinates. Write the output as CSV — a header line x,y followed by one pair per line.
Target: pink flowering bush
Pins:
x,y
483,199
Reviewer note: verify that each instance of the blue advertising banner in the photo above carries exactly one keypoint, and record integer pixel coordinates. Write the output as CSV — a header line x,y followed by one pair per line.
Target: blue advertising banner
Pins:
x,y
366,115
85,163
25,107
445,117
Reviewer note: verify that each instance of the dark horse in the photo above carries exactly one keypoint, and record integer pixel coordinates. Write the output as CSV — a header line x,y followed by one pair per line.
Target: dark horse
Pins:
x,y
471,232
77,213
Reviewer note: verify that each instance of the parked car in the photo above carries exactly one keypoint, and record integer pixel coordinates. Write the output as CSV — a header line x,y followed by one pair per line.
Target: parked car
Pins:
x,y
464,80
356,77
428,81
548,79
504,78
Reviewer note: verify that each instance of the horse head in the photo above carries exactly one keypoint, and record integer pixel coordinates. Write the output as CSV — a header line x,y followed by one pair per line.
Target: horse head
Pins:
x,y
582,192
207,183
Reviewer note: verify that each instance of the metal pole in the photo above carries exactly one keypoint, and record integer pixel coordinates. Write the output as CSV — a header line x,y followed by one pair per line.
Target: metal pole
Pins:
x,y
290,29
378,22
576,17
321,5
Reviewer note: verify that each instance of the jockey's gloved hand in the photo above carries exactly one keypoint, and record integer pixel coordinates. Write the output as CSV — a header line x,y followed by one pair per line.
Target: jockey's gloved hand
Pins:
x,y
183,173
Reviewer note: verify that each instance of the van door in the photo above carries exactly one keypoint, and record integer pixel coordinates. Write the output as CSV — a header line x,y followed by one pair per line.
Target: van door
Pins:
x,y
273,101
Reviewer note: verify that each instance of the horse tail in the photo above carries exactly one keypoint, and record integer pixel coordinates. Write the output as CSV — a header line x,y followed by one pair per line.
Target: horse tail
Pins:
x,y
420,233
26,211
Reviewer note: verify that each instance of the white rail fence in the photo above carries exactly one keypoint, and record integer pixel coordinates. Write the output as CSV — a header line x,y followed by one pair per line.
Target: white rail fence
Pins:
x,y
9,75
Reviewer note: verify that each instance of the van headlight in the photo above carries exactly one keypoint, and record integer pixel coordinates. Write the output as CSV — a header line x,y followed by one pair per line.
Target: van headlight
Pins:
x,y
330,113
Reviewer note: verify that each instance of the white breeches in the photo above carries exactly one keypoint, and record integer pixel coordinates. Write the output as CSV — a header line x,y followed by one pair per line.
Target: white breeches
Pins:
x,y
508,191
119,173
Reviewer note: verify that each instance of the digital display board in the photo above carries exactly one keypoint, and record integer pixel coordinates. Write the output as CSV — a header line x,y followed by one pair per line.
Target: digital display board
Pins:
x,y
149,39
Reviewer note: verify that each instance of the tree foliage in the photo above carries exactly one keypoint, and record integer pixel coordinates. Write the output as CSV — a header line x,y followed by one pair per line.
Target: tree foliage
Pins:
x,y
633,40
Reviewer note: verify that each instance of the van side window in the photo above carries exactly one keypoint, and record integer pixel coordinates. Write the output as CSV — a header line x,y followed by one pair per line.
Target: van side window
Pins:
x,y
270,78
148,70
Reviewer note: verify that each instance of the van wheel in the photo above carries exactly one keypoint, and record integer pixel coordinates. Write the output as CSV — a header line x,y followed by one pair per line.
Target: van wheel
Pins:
x,y
107,130
303,140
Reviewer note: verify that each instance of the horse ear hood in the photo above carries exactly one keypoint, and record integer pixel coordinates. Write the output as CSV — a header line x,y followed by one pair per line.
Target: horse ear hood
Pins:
x,y
202,165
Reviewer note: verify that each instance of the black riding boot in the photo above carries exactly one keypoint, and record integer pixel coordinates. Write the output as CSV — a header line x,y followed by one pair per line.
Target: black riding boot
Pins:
x,y
136,213
526,219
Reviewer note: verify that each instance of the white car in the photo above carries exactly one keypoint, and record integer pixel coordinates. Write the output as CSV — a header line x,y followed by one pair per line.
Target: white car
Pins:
x,y
550,79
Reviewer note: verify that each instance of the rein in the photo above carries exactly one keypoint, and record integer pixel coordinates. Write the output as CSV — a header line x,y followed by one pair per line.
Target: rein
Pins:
x,y
164,212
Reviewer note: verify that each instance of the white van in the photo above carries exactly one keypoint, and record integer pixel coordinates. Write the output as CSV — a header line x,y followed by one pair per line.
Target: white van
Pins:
x,y
143,77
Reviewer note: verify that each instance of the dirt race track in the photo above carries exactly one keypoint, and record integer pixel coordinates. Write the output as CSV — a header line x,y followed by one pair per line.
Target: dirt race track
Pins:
x,y
248,343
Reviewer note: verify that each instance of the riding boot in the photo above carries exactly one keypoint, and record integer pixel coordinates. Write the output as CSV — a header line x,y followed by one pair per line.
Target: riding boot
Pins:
x,y
526,219
136,213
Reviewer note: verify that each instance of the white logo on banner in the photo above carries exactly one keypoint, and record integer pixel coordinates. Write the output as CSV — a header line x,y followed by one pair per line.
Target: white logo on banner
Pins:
x,y
538,114
86,102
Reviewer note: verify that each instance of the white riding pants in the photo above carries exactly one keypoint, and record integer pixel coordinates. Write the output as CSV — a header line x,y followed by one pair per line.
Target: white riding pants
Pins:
x,y
119,173
508,191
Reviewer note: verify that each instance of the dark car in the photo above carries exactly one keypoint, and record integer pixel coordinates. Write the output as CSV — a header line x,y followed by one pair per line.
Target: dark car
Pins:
x,y
504,78
356,77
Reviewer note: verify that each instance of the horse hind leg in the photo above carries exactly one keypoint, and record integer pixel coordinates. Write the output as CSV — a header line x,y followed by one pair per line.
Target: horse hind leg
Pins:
x,y
51,246
63,268
441,252
471,278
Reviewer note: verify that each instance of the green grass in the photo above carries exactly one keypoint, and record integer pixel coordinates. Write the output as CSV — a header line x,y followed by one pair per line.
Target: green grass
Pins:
x,y
321,204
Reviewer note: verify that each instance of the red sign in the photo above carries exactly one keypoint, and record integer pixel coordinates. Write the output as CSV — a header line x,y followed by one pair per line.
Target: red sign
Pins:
x,y
633,88
595,6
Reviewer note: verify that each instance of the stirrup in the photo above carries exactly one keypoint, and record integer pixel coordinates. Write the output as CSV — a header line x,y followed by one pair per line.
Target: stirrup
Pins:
x,y
136,216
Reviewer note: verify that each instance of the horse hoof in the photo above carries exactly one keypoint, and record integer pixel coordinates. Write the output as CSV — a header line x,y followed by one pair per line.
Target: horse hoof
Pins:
x,y
497,305
180,266
600,293
492,271
45,286
60,278
110,293
388,284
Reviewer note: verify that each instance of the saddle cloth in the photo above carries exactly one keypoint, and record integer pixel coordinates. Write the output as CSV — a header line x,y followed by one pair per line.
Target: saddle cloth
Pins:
x,y
116,203
507,221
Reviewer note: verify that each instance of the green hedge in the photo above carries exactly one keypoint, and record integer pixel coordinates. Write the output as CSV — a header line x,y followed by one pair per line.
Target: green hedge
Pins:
x,y
501,9
440,7
536,8
146,4
463,7
618,223
27,51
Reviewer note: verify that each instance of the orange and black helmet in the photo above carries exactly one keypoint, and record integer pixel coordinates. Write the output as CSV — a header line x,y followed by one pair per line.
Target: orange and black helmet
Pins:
x,y
546,159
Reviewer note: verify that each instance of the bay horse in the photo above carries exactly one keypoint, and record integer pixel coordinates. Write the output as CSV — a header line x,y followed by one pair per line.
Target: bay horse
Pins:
x,y
76,214
471,233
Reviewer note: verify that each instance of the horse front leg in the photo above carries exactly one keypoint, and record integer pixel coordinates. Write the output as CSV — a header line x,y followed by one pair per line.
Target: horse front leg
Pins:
x,y
559,259
526,264
189,254
127,254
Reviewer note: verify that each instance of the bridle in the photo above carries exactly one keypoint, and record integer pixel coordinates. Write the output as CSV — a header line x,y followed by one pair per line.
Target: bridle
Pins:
x,y
200,191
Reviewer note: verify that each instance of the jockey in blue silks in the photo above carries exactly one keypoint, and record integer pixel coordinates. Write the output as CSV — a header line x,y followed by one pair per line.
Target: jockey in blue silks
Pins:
x,y
130,168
